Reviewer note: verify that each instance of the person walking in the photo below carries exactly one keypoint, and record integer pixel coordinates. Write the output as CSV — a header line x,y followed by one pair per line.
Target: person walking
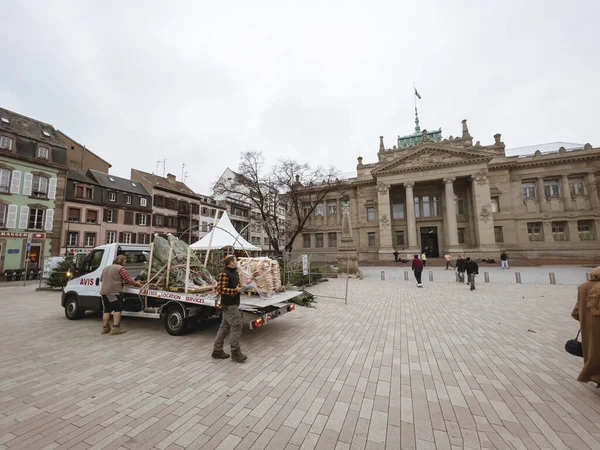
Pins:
x,y
587,312
396,255
472,269
460,269
113,278
504,260
417,267
424,258
228,286
448,259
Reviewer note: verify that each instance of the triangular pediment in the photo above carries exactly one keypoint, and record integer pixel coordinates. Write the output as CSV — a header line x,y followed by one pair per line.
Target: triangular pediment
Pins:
x,y
428,157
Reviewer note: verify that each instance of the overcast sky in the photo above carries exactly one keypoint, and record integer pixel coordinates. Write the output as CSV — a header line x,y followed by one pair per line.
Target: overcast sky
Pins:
x,y
318,81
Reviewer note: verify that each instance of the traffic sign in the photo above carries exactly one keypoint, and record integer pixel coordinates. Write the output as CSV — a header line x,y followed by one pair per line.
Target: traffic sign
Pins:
x,y
28,246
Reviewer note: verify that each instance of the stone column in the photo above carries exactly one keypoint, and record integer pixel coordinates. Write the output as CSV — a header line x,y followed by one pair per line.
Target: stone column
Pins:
x,y
411,221
484,221
386,246
566,193
573,231
451,228
541,194
592,190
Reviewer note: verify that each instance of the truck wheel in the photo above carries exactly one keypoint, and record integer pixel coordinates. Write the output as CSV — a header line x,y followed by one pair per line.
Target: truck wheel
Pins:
x,y
175,322
72,310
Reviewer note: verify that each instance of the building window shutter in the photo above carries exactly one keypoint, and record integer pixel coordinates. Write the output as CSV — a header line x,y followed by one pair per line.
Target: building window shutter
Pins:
x,y
11,218
52,188
23,218
15,184
133,238
105,216
120,237
27,183
49,220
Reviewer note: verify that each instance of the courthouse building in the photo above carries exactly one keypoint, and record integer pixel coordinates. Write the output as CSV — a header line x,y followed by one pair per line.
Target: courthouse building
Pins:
x,y
455,195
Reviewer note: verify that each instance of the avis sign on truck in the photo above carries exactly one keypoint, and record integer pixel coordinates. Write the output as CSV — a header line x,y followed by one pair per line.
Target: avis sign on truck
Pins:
x,y
82,293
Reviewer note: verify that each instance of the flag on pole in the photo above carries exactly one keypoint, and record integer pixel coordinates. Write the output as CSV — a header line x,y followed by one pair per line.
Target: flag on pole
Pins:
x,y
417,94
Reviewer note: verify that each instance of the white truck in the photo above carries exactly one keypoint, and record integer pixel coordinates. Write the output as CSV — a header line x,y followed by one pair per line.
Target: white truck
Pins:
x,y
176,309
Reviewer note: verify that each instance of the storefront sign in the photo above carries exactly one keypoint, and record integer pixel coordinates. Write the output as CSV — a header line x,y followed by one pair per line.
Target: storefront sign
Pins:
x,y
78,250
10,234
305,265
13,251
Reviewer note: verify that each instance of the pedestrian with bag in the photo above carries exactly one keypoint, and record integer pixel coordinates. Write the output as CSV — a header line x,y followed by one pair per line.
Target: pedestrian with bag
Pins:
x,y
228,286
417,267
587,312
472,269
424,258
460,269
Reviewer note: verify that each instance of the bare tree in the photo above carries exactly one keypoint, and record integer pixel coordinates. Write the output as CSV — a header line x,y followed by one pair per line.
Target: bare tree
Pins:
x,y
293,186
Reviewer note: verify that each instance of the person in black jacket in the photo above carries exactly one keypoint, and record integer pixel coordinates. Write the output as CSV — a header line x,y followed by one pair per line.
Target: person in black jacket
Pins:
x,y
228,285
460,269
504,260
472,269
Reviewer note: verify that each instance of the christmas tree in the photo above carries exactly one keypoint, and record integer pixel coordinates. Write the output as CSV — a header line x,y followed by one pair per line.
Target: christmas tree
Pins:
x,y
60,274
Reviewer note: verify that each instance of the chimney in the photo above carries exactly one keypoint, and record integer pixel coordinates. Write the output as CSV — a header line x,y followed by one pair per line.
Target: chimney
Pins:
x,y
171,178
381,146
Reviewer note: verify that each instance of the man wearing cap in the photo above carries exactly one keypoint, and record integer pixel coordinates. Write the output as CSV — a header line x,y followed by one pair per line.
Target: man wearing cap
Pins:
x,y
113,278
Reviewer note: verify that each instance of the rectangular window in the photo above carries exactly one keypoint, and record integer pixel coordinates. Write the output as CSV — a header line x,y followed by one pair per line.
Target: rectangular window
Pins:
x,y
128,199
495,204
426,206
371,238
331,208
528,190
40,186
72,238
142,219
417,207
400,238
586,230
3,212
92,216
266,241
111,237
158,220
112,197
461,205
5,142
43,153
397,209
126,238
577,186
498,234
319,240
306,240
436,206
320,210
551,188
143,202
90,239
4,180
461,235
370,213
36,219
560,231
74,214
535,230
204,227
143,238
110,215
331,240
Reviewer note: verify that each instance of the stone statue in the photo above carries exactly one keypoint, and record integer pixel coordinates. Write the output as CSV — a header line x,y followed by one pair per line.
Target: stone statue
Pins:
x,y
346,225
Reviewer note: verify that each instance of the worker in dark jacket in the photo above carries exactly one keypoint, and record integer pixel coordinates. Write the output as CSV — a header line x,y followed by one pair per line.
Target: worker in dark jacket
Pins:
x,y
228,285
472,269
417,267
460,269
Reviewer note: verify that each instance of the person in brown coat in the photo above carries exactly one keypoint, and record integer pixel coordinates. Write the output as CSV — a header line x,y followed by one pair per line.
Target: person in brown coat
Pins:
x,y
587,312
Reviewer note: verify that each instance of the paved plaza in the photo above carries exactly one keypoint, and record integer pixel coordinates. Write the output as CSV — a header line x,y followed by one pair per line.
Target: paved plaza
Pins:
x,y
397,367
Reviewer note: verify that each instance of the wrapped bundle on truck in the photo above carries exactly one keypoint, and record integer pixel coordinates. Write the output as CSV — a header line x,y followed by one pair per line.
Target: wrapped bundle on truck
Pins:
x,y
262,274
177,288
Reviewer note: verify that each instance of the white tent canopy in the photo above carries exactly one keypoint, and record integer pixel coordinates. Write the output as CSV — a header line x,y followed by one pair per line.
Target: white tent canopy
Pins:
x,y
224,235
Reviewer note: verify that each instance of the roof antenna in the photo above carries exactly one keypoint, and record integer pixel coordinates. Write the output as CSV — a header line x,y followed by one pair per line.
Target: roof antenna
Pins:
x,y
164,163
183,171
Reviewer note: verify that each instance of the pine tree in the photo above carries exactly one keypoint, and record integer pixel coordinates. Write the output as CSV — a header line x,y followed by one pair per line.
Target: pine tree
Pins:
x,y
60,274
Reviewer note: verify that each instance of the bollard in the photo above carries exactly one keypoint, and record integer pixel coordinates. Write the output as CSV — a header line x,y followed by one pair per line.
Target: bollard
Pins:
x,y
518,277
587,277
486,275
430,275
360,274
406,275
552,278
382,275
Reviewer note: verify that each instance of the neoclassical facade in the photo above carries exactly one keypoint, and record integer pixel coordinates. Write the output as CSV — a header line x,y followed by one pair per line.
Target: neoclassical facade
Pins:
x,y
457,196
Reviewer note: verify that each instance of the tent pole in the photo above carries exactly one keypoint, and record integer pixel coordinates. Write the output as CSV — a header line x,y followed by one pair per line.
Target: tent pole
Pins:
x,y
187,270
169,265
212,233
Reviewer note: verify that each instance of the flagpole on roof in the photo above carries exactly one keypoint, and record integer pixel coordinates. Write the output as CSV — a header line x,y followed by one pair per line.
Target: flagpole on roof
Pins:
x,y
415,95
